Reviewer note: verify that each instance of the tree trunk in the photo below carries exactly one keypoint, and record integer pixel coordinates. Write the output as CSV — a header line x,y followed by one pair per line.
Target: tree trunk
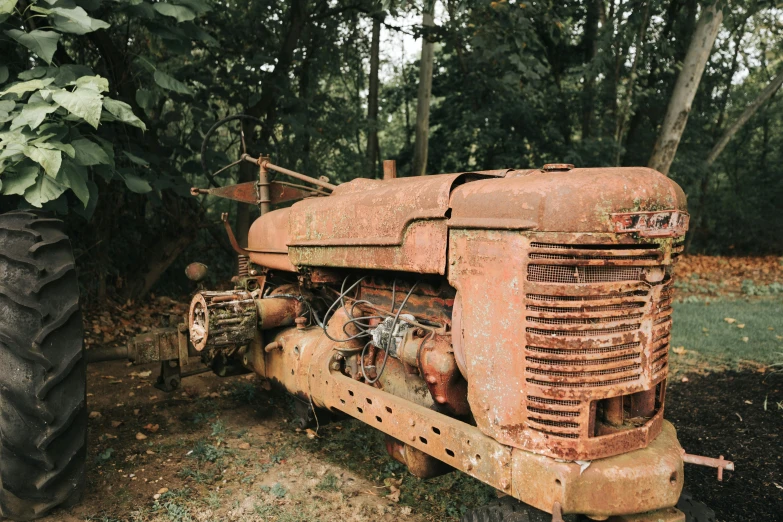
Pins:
x,y
625,109
372,100
685,89
425,93
749,111
590,49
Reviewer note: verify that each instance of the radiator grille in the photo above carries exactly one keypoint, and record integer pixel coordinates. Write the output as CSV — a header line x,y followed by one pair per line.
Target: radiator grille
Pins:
x,y
584,326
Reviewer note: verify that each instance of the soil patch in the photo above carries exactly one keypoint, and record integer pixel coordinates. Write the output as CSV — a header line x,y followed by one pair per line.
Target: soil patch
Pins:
x,y
725,414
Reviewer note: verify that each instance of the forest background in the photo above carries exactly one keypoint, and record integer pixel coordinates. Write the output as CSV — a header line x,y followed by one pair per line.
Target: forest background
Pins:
x,y
104,105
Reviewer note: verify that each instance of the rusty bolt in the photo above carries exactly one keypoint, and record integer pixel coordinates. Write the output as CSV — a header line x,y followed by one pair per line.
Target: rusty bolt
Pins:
x,y
419,332
300,322
254,272
334,365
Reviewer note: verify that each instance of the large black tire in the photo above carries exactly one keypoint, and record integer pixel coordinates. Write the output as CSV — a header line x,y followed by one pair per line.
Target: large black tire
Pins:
x,y
508,509
694,510
43,416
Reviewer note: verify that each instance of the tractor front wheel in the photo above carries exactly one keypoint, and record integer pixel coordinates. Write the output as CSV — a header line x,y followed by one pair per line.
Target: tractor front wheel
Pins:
x,y
43,416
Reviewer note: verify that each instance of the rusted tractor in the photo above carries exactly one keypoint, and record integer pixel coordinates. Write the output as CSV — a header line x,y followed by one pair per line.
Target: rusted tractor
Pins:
x,y
510,324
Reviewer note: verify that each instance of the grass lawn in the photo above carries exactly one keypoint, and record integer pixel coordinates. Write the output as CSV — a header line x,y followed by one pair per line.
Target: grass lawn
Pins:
x,y
755,335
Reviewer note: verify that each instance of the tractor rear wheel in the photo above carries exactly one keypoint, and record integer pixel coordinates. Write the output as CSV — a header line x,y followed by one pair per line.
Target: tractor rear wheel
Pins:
x,y
43,416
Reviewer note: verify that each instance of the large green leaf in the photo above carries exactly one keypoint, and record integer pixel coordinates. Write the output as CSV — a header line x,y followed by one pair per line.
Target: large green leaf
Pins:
x,y
200,7
137,184
89,153
123,112
181,13
96,83
44,190
42,43
3,73
49,159
75,177
135,159
83,102
33,114
145,98
7,6
15,183
23,87
170,83
75,21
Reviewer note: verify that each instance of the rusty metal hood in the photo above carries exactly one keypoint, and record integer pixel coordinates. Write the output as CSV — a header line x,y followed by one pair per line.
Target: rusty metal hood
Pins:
x,y
577,200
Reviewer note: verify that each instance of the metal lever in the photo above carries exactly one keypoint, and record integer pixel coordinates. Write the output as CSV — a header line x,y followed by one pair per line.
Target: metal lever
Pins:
x,y
710,462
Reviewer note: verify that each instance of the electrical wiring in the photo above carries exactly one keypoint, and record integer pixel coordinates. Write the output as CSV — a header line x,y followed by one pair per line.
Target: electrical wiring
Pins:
x,y
387,348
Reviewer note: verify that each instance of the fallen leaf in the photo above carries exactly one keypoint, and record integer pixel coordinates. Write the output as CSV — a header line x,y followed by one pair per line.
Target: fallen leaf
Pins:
x,y
778,485
95,414
140,436
136,411
394,496
310,433
161,491
152,428
745,339
748,402
244,446
116,424
684,379
740,326
679,350
730,320
392,483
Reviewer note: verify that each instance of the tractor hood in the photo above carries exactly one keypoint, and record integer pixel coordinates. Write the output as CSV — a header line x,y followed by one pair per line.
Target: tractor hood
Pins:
x,y
402,224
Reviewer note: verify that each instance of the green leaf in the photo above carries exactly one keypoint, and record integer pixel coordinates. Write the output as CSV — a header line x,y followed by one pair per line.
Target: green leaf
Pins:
x,y
145,98
14,184
75,21
135,159
170,83
3,73
198,6
84,102
96,83
33,114
87,213
69,73
137,184
49,159
42,43
123,112
32,74
23,87
7,105
182,14
89,153
44,190
75,178
55,145
7,6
